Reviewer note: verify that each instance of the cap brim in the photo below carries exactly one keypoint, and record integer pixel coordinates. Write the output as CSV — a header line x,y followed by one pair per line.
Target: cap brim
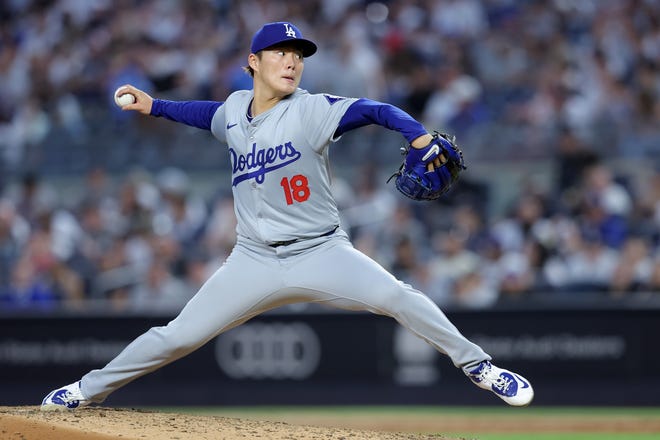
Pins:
x,y
308,48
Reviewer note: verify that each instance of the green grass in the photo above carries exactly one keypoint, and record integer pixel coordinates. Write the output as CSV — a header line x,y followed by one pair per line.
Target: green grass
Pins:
x,y
554,418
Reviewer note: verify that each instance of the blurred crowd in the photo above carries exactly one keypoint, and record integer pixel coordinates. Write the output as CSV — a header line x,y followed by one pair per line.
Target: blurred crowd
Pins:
x,y
573,85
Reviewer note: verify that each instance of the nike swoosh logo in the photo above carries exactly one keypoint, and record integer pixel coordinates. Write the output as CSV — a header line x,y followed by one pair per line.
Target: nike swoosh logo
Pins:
x,y
524,383
435,150
231,125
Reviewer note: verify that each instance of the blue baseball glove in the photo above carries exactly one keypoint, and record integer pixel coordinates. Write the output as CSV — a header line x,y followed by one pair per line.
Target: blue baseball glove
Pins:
x,y
415,180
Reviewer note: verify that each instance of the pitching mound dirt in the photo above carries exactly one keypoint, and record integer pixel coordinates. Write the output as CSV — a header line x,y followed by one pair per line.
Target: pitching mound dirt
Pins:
x,y
29,423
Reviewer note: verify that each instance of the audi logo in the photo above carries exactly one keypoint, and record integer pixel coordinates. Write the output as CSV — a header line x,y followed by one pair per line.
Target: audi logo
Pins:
x,y
269,351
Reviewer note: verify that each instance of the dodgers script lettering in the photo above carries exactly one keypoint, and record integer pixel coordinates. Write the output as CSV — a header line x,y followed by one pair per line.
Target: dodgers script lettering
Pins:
x,y
257,163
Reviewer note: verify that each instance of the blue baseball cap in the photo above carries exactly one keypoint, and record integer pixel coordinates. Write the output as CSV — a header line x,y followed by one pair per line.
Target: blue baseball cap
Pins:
x,y
272,34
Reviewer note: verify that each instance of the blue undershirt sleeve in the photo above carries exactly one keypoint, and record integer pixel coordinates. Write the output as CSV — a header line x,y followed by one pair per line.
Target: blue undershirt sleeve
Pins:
x,y
194,113
366,111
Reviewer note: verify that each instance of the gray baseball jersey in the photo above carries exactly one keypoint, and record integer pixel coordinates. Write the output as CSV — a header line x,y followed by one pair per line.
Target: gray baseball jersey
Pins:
x,y
279,160
281,188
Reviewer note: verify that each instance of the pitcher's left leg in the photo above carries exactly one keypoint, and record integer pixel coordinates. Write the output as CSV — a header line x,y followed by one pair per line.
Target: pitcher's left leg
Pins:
x,y
351,280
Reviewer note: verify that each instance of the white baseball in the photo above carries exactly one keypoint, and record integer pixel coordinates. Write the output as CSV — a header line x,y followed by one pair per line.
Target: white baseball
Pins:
x,y
125,99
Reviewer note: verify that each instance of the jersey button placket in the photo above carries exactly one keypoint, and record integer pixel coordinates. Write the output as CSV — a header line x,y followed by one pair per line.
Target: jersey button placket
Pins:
x,y
258,195
250,142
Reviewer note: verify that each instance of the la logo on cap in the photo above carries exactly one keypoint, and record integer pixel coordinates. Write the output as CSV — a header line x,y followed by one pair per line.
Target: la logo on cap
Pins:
x,y
289,30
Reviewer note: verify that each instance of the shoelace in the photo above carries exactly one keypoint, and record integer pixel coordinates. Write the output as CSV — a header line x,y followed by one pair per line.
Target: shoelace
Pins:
x,y
69,397
489,376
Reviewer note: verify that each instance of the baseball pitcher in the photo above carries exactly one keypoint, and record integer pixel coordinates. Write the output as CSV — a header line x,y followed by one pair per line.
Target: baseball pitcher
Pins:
x,y
290,247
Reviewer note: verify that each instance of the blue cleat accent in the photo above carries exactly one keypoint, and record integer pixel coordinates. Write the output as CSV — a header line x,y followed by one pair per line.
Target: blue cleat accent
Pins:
x,y
66,398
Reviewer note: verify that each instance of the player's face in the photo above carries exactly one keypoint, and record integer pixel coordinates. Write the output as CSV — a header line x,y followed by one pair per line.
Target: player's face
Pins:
x,y
280,69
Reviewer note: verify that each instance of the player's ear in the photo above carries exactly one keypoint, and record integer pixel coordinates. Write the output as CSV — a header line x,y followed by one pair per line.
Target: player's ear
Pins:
x,y
253,61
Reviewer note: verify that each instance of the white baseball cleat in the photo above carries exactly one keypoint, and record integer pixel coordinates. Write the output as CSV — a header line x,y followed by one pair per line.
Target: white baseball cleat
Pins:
x,y
510,387
68,397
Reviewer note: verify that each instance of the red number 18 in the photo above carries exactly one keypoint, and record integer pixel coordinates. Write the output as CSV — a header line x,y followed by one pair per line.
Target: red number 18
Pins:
x,y
295,189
